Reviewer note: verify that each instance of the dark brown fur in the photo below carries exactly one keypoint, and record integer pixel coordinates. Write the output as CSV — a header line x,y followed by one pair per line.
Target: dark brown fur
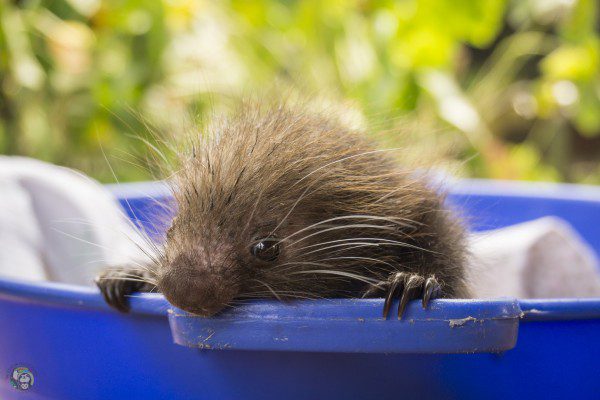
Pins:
x,y
345,216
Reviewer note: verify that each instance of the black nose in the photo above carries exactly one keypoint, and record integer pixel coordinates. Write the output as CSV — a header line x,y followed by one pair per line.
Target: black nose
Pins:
x,y
196,289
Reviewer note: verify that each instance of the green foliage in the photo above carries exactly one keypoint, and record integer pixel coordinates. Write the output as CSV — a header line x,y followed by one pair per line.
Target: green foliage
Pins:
x,y
508,89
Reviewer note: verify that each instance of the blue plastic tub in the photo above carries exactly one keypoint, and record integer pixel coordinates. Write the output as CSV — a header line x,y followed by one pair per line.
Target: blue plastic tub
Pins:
x,y
78,348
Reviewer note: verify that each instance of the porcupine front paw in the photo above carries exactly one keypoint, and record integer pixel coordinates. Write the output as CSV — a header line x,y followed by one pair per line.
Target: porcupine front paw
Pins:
x,y
408,287
116,284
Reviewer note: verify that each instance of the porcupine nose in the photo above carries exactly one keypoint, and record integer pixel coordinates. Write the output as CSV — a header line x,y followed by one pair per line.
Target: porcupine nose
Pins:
x,y
196,288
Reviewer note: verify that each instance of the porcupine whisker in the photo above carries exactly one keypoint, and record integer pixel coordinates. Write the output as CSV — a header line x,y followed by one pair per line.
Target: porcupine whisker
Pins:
x,y
290,295
381,241
396,221
142,231
331,268
350,240
390,193
359,258
96,244
292,267
154,148
300,263
259,294
291,209
150,268
155,258
286,293
345,246
148,277
168,207
123,275
85,223
130,162
80,239
111,264
344,159
268,287
262,294
306,279
249,219
348,266
351,248
126,279
343,249
356,245
334,272
135,267
335,228
142,279
353,243
144,273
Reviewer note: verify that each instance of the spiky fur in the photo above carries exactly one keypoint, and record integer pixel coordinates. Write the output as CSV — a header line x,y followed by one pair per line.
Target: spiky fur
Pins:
x,y
345,214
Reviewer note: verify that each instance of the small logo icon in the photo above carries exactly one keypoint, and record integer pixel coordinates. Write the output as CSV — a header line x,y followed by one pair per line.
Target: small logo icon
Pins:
x,y
21,378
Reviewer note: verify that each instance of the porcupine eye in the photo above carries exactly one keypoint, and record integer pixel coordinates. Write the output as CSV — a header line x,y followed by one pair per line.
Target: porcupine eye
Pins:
x,y
266,249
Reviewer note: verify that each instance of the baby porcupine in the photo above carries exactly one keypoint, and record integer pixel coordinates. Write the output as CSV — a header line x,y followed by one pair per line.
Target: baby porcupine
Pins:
x,y
287,204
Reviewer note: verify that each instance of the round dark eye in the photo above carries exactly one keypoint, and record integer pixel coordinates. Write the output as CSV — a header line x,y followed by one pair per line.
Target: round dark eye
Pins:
x,y
266,249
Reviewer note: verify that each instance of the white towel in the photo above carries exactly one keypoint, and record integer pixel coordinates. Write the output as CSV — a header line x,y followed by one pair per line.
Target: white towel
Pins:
x,y
60,225
543,258
21,242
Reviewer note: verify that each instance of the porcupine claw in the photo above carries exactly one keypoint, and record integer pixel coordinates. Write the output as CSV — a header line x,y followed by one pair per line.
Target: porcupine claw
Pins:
x,y
407,287
431,290
116,285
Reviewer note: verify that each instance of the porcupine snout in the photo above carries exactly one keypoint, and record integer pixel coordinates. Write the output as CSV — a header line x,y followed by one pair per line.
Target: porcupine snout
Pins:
x,y
198,285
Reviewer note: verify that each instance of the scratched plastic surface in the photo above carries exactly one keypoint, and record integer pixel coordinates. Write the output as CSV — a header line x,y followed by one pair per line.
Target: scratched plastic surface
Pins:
x,y
78,348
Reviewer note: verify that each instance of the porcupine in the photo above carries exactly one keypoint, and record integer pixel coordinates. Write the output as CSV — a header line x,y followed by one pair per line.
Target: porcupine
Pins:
x,y
281,203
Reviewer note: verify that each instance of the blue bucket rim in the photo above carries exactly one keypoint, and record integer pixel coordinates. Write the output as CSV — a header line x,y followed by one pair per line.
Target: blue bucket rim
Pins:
x,y
61,294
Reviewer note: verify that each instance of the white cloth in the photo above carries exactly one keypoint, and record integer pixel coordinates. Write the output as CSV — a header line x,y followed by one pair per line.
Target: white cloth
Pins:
x,y
20,235
543,258
57,224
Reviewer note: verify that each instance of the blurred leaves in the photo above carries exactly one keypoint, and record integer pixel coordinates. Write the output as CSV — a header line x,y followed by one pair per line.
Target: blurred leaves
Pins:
x,y
508,89
70,73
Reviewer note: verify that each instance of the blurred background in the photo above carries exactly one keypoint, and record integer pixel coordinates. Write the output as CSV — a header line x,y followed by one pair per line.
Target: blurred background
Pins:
x,y
507,89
